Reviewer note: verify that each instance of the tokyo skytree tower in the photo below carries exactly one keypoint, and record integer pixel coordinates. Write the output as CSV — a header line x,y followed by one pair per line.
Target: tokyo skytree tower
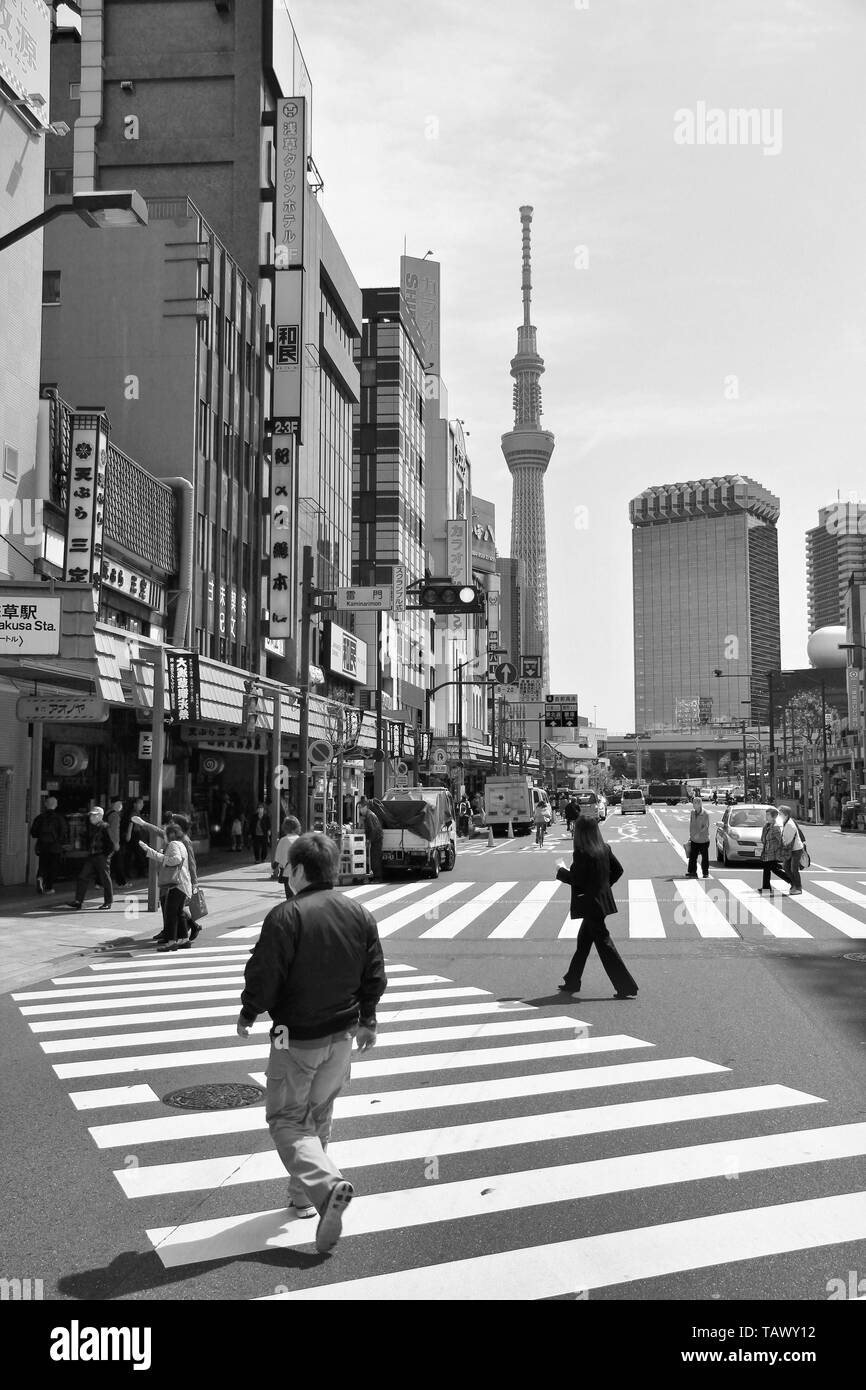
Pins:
x,y
527,449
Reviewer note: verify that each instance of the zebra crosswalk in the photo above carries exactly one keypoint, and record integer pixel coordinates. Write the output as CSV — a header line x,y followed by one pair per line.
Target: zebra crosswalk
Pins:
x,y
468,1108
722,908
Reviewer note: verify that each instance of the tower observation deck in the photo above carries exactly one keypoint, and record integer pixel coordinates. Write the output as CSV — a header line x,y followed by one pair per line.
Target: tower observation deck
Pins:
x,y
527,449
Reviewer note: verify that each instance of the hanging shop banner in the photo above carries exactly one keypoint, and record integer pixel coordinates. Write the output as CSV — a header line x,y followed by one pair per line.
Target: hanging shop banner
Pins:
x,y
288,376
279,561
183,686
291,183
88,452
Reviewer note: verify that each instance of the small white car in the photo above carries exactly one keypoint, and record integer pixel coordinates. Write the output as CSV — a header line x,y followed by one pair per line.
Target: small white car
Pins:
x,y
738,834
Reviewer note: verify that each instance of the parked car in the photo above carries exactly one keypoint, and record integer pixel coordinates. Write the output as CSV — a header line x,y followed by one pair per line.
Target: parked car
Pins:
x,y
738,834
632,803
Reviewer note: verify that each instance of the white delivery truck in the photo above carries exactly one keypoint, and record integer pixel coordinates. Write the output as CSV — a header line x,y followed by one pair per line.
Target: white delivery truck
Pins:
x,y
419,829
513,799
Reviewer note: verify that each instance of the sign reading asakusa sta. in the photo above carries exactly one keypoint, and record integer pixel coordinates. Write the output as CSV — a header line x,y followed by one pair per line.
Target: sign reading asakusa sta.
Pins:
x,y
30,626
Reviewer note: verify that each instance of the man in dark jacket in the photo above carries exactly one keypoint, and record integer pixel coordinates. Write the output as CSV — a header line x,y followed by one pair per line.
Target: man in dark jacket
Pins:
x,y
372,828
100,848
318,970
50,831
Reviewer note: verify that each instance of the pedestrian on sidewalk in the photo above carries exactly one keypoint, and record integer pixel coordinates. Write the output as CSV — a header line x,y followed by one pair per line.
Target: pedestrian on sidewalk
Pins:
x,y
175,888
260,834
113,821
289,832
237,833
372,827
318,970
134,857
699,840
97,865
50,830
771,850
593,869
793,845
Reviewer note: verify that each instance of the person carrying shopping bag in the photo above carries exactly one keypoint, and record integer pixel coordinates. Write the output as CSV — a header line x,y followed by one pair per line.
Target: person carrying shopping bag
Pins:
x,y
771,850
593,869
175,887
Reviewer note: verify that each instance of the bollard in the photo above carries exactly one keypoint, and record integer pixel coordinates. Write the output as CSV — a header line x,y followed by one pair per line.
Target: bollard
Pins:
x,y
491,843
510,831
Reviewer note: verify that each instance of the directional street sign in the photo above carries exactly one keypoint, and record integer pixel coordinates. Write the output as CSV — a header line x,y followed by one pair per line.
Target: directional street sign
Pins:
x,y
530,668
365,598
506,673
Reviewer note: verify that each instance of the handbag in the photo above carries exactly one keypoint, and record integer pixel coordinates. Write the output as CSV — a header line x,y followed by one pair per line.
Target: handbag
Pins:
x,y
688,847
198,907
805,858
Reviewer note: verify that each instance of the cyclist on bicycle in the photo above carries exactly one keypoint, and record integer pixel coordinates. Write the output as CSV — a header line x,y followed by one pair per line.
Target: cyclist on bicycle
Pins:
x,y
540,824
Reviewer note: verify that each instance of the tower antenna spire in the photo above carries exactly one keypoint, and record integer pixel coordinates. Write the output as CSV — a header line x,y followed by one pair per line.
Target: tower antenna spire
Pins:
x,y
526,220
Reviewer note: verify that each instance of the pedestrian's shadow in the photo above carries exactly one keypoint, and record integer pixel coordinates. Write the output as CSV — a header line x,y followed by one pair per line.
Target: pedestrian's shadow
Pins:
x,y
560,999
133,1272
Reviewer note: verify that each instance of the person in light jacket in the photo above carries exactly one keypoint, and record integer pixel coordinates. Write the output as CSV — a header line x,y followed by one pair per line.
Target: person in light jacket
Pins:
x,y
175,886
289,832
699,840
792,844
593,869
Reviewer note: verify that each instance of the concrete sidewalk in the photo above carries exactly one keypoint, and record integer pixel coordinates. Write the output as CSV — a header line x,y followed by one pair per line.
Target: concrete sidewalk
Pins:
x,y
42,936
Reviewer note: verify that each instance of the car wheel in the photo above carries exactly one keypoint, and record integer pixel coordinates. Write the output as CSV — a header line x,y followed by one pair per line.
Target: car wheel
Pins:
x,y
450,858
434,864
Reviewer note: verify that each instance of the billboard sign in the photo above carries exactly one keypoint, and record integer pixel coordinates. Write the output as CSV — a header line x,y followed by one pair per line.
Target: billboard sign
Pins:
x,y
365,599
291,184
288,373
25,51
62,709
458,552
420,296
183,686
347,655
88,454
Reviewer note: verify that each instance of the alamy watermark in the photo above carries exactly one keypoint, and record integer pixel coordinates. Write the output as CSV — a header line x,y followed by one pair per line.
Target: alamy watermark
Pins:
x,y
712,125
21,518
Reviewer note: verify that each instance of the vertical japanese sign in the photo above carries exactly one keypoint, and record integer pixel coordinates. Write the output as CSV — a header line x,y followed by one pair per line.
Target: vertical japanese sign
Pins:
x,y
183,686
288,373
419,292
458,552
88,453
398,589
279,560
291,183
25,50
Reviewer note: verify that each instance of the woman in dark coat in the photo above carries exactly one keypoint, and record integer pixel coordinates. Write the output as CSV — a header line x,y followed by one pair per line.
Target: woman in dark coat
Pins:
x,y
593,869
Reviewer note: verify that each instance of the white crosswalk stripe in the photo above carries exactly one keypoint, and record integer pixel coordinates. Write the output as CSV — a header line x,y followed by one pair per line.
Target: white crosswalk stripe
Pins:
x,y
481,1076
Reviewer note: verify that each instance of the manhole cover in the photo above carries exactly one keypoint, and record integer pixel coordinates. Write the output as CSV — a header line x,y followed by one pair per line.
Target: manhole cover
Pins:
x,y
219,1095
856,955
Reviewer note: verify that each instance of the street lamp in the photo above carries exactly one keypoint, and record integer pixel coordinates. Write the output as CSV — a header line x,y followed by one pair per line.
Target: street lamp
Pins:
x,y
109,209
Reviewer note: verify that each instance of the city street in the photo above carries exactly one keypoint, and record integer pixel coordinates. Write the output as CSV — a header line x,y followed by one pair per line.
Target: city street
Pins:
x,y
706,1140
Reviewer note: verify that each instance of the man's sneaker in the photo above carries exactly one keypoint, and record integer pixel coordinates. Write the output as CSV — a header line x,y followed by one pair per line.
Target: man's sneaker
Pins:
x,y
302,1210
48,892
40,884
330,1225
76,907
159,938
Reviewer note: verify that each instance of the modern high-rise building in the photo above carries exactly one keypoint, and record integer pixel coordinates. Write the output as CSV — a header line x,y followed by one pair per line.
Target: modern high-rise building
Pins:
x,y
706,597
527,449
835,549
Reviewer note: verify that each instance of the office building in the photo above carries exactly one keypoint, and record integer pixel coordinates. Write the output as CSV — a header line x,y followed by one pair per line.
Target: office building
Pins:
x,y
705,576
835,549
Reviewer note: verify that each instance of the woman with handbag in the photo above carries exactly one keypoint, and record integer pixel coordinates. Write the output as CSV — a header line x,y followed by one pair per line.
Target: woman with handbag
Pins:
x,y
593,869
793,846
175,887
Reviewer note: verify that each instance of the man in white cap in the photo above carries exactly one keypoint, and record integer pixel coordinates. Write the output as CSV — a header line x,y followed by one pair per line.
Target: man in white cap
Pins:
x,y
100,847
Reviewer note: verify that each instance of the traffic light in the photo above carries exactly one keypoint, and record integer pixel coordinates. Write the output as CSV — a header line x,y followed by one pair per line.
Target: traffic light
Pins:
x,y
442,596
252,705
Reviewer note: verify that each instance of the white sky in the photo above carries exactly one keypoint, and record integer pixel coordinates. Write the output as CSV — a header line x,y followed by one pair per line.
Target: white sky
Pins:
x,y
704,262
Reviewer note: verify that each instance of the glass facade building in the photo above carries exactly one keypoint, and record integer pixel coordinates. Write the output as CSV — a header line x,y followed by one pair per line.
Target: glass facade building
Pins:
x,y
706,596
835,549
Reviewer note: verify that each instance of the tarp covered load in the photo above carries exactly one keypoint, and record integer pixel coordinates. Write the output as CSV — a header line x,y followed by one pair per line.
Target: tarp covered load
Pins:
x,y
423,818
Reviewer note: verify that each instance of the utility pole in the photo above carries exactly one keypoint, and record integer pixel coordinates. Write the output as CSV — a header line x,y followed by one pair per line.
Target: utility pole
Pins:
x,y
824,798
379,768
772,740
156,762
307,592
277,766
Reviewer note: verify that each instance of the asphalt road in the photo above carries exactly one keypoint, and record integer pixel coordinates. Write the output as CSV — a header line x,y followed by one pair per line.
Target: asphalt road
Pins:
x,y
704,1141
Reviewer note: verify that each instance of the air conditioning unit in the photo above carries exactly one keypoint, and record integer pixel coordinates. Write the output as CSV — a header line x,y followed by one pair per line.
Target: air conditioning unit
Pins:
x,y
70,759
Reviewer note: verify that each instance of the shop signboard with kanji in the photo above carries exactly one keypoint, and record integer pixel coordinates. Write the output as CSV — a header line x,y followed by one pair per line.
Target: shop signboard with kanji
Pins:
x,y
62,709
88,453
30,626
183,686
291,182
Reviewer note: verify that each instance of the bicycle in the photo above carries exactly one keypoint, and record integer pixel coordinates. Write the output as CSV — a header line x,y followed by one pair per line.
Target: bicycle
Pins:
x,y
539,833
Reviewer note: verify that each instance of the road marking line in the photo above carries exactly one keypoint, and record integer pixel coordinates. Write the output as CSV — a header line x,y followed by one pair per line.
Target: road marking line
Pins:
x,y
620,1257
847,925
113,1095
521,918
773,918
389,925
82,1006
462,917
703,911
393,895
244,932
215,973
671,839
569,929
194,1174
644,917
231,1237
842,891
